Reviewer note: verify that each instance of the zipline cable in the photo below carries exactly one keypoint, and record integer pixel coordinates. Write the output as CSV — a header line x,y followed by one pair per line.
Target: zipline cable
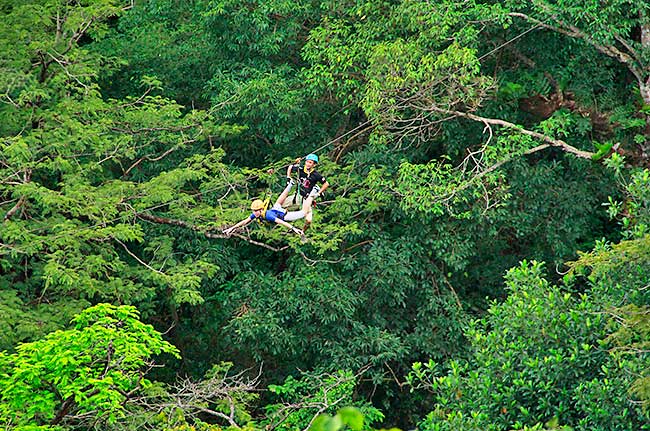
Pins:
x,y
487,54
105,222
509,41
340,137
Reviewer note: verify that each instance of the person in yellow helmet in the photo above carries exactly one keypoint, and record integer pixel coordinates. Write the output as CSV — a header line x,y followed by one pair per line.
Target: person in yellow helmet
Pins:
x,y
276,214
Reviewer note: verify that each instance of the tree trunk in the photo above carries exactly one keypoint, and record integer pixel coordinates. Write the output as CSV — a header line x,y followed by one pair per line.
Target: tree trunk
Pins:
x,y
645,146
644,86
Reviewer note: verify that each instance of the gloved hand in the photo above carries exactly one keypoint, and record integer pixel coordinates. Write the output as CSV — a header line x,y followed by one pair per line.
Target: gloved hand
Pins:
x,y
228,231
315,192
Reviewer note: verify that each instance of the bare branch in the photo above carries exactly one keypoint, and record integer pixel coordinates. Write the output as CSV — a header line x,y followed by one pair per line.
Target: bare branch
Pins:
x,y
154,159
630,60
15,208
196,398
65,69
320,405
143,263
130,131
313,262
545,138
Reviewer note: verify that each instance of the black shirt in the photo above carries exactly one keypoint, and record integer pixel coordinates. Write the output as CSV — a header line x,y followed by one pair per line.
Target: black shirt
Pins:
x,y
307,181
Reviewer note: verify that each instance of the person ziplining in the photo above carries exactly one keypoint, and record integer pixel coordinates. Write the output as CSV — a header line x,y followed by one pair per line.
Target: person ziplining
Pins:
x,y
308,190
308,180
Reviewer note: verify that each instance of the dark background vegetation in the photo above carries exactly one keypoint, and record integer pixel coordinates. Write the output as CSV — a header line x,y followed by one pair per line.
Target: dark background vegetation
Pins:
x,y
479,262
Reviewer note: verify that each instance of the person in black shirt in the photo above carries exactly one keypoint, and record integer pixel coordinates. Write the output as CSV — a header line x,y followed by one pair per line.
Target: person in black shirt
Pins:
x,y
310,183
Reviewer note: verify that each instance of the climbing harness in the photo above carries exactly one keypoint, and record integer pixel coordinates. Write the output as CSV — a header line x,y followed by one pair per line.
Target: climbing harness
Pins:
x,y
297,196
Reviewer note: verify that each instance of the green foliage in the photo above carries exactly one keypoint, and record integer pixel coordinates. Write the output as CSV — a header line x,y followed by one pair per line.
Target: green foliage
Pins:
x,y
620,274
219,399
536,356
634,213
347,417
241,59
78,169
307,403
566,192
602,22
81,375
295,318
630,342
21,323
163,39
618,271
602,150
112,184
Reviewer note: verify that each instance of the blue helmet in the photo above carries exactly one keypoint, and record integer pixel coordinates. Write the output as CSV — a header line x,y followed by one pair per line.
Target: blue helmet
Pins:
x,y
312,157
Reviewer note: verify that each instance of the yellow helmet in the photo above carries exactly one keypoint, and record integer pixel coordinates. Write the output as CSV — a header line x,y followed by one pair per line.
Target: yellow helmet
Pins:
x,y
257,204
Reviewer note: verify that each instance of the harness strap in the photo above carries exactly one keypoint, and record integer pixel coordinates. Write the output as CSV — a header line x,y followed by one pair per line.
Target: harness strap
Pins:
x,y
299,183
266,206
295,196
264,209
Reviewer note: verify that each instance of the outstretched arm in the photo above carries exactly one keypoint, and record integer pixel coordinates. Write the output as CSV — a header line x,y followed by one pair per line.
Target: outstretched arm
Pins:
x,y
242,223
290,226
291,165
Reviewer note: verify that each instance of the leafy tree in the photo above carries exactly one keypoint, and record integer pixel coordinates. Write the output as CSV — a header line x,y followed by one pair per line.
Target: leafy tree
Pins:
x,y
307,401
460,138
540,355
634,210
74,181
165,39
81,376
241,60
347,416
617,29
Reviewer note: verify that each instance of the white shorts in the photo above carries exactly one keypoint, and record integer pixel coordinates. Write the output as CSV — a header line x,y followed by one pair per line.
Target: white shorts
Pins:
x,y
289,215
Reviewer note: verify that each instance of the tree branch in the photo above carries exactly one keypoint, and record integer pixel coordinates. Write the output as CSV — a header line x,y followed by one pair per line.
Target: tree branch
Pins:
x,y
15,208
558,143
630,60
154,159
181,223
143,263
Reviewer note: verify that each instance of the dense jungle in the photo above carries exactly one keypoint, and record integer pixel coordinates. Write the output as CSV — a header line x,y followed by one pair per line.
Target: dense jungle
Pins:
x,y
479,261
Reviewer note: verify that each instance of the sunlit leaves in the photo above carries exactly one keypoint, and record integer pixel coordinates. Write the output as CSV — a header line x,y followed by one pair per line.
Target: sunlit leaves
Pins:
x,y
309,402
82,374
76,167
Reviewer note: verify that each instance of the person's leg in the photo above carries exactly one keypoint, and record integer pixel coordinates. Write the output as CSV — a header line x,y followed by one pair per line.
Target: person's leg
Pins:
x,y
307,207
294,215
283,196
307,204
308,219
304,212
293,199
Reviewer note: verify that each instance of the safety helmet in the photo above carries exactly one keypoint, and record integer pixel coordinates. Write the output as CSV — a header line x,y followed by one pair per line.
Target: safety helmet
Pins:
x,y
257,204
312,157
